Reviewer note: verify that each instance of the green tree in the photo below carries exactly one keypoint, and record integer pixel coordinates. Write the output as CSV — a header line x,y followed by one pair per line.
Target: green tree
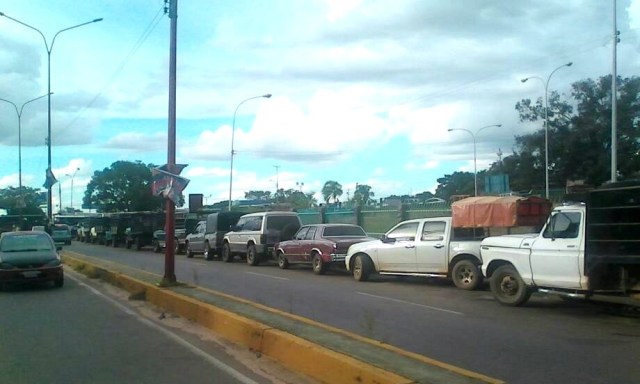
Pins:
x,y
458,183
579,134
362,194
423,196
331,190
10,200
258,195
124,186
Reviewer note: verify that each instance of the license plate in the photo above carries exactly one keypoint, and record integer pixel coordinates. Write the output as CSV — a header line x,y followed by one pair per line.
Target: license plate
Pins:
x,y
31,274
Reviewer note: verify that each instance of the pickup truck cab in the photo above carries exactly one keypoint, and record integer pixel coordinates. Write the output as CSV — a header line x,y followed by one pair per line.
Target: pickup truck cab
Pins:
x,y
419,247
588,251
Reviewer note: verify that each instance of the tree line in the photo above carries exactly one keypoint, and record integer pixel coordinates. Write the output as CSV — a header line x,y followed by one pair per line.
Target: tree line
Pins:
x,y
579,125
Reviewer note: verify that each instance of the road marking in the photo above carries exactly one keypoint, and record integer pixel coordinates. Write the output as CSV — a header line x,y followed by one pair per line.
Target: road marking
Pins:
x,y
265,275
410,303
195,350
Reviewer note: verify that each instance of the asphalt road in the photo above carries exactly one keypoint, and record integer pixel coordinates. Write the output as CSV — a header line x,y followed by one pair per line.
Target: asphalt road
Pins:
x,y
88,332
547,341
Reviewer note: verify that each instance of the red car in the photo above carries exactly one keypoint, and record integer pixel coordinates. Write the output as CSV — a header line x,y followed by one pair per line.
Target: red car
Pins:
x,y
319,245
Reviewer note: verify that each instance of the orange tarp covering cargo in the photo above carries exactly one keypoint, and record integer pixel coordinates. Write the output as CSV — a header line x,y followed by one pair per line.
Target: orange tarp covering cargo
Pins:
x,y
495,211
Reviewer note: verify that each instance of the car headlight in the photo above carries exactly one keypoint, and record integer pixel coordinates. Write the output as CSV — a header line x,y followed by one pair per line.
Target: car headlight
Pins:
x,y
6,266
54,263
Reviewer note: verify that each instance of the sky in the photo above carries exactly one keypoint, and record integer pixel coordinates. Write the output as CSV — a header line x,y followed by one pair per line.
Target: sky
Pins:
x,y
363,91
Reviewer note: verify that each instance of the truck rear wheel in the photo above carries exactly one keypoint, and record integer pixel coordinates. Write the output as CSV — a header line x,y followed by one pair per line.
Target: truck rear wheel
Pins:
x,y
466,275
508,288
227,256
208,252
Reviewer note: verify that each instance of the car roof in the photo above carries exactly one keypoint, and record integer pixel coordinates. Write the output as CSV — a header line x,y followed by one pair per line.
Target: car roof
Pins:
x,y
271,213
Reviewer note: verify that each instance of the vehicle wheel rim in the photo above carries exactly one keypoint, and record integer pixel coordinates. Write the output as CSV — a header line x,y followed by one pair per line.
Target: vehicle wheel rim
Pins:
x,y
357,269
509,286
465,275
281,260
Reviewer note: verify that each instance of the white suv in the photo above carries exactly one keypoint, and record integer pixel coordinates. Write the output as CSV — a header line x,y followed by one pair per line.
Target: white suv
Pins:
x,y
255,235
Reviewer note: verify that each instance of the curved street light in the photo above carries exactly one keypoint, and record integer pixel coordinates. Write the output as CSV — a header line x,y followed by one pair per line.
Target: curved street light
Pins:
x,y
475,169
546,123
19,113
72,177
233,131
49,48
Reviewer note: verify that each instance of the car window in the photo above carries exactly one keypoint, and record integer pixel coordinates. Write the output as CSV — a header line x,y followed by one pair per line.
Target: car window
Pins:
x,y
253,224
279,222
433,231
404,232
35,242
301,233
344,230
563,225
311,234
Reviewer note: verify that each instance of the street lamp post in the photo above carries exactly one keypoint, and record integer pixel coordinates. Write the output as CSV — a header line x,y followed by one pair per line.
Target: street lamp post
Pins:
x,y
546,123
475,168
19,113
233,131
72,177
49,48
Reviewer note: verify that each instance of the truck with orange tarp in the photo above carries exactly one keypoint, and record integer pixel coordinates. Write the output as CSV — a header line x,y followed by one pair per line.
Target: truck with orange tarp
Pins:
x,y
447,247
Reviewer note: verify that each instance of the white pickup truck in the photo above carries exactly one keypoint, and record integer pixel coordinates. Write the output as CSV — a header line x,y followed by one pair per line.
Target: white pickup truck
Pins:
x,y
419,247
589,250
447,247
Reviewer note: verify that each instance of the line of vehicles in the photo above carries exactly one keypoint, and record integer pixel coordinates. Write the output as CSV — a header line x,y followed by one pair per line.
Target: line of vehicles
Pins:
x,y
588,250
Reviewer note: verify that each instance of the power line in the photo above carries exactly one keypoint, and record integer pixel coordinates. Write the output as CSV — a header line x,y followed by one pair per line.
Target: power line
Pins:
x,y
145,34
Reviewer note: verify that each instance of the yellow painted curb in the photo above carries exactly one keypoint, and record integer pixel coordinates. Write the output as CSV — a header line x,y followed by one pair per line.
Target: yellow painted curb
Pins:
x,y
296,353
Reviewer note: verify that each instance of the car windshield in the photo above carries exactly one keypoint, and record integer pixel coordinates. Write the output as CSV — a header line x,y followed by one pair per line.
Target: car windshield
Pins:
x,y
344,230
26,243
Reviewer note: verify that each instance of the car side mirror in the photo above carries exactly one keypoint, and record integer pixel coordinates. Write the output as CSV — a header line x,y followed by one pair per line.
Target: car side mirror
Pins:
x,y
58,247
388,240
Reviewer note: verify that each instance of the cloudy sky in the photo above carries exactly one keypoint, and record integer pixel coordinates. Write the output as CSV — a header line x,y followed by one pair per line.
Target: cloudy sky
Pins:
x,y
364,91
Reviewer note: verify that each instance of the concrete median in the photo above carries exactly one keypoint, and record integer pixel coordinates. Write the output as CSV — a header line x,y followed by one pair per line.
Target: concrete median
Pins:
x,y
327,354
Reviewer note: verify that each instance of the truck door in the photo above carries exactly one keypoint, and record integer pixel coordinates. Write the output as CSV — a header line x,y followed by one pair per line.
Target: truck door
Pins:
x,y
557,253
398,251
197,239
431,248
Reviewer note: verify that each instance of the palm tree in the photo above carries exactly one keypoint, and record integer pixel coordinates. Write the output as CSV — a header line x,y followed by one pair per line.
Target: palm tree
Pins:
x,y
331,190
362,194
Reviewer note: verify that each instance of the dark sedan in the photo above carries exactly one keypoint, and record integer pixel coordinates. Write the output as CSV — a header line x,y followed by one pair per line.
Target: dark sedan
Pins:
x,y
29,257
320,245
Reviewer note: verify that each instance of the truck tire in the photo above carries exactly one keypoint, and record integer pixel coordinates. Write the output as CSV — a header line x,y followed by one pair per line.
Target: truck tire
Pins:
x,y
466,275
508,288
208,252
227,256
319,266
362,268
253,258
283,263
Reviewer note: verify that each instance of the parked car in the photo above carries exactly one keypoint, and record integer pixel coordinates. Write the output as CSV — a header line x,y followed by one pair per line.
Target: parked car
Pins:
x,y
29,256
255,235
208,236
61,233
320,245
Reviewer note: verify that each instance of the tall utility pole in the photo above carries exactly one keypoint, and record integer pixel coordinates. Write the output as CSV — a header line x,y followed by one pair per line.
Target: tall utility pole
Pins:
x,y
614,101
170,209
277,167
